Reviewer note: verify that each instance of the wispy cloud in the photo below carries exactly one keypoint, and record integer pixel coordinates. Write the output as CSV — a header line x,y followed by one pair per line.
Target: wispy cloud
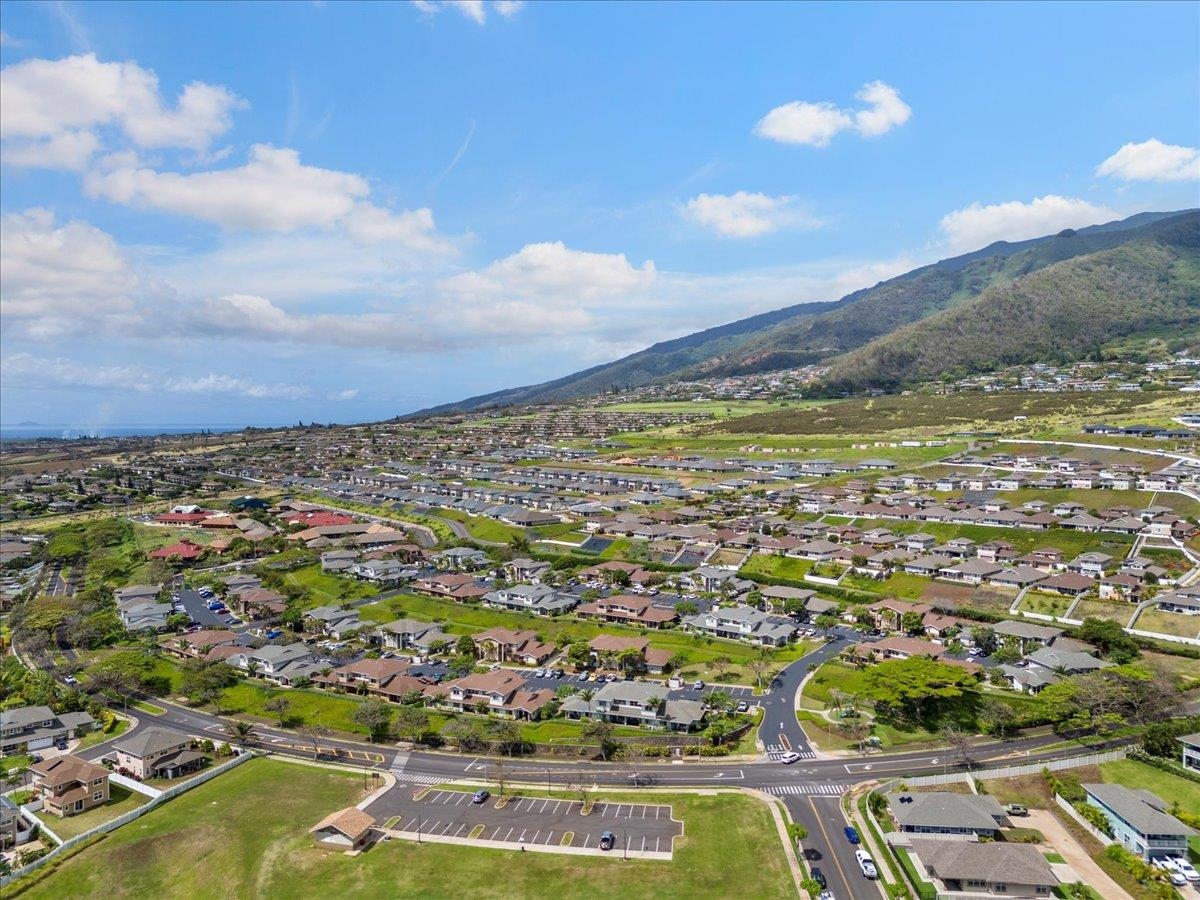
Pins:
x,y
458,155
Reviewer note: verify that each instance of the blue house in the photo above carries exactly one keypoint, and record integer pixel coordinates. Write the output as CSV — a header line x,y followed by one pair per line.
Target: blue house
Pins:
x,y
1140,821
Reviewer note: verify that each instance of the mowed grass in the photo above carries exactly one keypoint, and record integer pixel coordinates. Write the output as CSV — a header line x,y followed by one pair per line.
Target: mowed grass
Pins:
x,y
1134,774
773,566
245,835
121,800
324,588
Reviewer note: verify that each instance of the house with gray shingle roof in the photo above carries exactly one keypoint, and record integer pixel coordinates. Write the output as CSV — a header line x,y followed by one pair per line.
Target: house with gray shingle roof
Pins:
x,y
1140,821
945,812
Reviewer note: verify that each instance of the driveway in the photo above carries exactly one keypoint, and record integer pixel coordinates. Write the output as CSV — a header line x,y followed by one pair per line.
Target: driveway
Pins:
x,y
643,828
1070,850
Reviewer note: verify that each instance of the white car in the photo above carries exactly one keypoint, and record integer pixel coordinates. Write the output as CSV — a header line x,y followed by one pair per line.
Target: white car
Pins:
x,y
866,863
1183,867
788,758
1177,878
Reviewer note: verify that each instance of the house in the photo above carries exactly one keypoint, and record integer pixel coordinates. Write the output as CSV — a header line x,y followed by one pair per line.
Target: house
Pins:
x,y
461,559
338,560
384,572
137,593
198,644
283,664
1140,821
945,812
1066,662
145,616
15,825
408,634
744,623
526,570
974,869
347,829
1191,751
606,650
459,586
636,703
367,676
67,785
255,602
1068,584
499,692
1026,634
628,608
538,599
711,578
185,551
895,647
502,645
156,753
332,621
29,728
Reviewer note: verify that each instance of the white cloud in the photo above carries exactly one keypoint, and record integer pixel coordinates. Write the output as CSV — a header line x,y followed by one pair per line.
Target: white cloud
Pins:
x,y
509,8
7,40
800,122
1153,160
55,277
745,214
369,224
885,111
274,191
475,10
60,372
69,150
977,226
815,124
47,99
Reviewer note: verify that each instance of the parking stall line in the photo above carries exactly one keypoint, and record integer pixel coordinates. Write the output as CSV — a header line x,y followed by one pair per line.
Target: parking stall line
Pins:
x,y
460,829
545,803
619,810
657,841
449,825
533,840
586,838
522,837
643,843
409,826
549,838
508,835
643,812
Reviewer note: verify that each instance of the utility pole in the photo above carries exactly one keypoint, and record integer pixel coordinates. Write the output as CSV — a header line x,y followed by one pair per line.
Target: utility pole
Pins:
x,y
626,836
418,829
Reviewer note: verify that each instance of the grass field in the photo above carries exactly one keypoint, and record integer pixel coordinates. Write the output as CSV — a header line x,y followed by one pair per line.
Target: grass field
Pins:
x,y
245,835
1134,774
481,527
121,801
773,566
1157,620
324,588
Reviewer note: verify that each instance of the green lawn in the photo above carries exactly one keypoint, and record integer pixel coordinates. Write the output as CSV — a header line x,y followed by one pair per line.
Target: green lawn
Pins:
x,y
245,835
121,801
775,566
482,527
324,588
1169,787
115,729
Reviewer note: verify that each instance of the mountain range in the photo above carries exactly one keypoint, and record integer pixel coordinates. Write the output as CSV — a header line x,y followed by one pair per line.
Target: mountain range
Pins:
x,y
1057,299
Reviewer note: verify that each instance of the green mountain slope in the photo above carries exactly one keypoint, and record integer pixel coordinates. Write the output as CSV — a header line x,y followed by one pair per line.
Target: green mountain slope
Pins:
x,y
1058,314
812,332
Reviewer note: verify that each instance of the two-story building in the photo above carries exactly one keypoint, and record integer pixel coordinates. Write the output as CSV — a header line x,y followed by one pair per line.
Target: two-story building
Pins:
x,y
535,599
38,727
1191,751
156,753
636,703
68,785
744,623
500,692
1140,821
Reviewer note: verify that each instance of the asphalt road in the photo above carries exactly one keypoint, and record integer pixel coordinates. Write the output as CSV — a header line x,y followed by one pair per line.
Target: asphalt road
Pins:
x,y
827,847
780,731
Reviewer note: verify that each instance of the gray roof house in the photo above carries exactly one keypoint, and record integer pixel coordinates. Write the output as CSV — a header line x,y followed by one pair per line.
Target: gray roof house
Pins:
x,y
637,703
137,616
1191,751
944,812
983,869
333,620
1140,820
407,634
37,727
539,599
744,623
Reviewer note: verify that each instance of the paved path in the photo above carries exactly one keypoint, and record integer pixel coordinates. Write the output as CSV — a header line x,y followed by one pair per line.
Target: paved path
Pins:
x,y
1064,842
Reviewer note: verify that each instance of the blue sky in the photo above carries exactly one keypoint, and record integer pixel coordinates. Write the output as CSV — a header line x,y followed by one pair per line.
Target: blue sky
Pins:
x,y
258,213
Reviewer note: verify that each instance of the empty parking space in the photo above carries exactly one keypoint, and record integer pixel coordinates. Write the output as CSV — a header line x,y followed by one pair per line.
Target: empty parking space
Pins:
x,y
638,828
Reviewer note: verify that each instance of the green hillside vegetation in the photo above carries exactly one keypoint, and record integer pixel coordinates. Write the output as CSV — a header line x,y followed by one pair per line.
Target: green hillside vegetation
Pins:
x,y
812,332
1060,314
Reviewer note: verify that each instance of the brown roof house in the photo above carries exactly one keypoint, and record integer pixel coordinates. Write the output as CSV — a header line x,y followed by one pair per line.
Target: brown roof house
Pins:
x,y
68,785
347,830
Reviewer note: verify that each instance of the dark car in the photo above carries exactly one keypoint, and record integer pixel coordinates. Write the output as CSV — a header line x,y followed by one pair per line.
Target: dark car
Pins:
x,y
481,796
819,877
811,854
607,840
851,834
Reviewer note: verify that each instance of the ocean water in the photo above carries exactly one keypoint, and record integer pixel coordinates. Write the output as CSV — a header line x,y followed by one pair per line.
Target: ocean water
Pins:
x,y
70,432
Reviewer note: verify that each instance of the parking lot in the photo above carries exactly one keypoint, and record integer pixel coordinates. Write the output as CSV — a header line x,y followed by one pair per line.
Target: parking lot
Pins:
x,y
197,608
640,829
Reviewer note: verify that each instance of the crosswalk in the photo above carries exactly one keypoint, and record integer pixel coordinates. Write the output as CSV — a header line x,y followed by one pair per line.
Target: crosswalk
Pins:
x,y
776,753
412,778
826,790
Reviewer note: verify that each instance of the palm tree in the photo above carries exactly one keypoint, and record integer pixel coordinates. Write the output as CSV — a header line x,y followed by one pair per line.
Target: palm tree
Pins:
x,y
242,732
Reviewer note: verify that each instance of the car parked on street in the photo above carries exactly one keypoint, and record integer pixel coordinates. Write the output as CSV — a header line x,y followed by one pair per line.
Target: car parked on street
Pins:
x,y
851,834
819,877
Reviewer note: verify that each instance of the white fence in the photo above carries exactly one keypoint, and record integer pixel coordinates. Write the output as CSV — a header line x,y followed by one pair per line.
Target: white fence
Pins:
x,y
128,817
1074,814
1054,765
133,784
